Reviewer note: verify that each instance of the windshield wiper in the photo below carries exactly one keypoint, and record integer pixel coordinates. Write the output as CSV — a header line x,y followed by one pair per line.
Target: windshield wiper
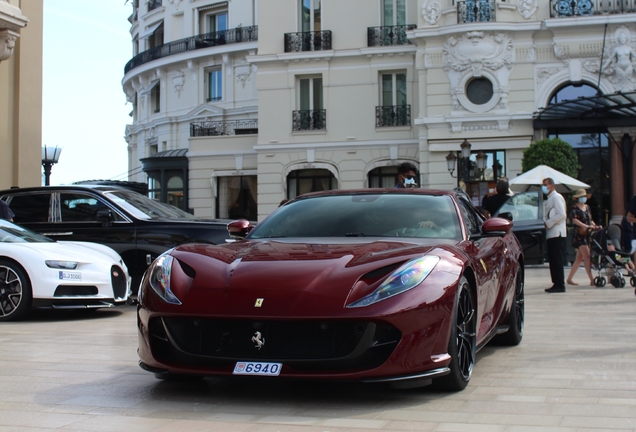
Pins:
x,y
360,234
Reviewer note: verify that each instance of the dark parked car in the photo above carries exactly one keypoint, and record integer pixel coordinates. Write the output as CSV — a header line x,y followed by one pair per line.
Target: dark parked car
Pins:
x,y
526,209
137,227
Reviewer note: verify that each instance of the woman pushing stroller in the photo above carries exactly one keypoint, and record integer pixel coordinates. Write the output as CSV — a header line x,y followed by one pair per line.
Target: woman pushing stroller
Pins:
x,y
582,220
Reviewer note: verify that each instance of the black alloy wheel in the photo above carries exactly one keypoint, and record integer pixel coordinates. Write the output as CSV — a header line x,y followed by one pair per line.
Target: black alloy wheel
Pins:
x,y
462,343
15,291
517,314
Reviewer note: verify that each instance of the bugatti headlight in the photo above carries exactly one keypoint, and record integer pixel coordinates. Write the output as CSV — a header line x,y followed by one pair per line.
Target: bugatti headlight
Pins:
x,y
159,279
64,265
403,279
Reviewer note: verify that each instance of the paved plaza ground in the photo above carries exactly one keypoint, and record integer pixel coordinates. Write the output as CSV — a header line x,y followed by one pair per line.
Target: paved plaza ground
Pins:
x,y
575,370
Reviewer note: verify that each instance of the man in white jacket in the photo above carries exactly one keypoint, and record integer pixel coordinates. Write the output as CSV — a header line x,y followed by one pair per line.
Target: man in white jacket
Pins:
x,y
554,219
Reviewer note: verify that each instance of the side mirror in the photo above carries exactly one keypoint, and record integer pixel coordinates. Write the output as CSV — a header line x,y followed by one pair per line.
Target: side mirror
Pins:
x,y
506,215
239,229
496,226
104,216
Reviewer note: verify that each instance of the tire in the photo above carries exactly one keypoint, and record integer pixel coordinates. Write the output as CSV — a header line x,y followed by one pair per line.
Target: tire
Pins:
x,y
597,281
16,295
462,343
616,283
516,317
602,281
632,281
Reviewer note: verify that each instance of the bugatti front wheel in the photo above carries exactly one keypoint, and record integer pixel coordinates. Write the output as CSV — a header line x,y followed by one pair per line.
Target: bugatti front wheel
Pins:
x,y
15,291
462,343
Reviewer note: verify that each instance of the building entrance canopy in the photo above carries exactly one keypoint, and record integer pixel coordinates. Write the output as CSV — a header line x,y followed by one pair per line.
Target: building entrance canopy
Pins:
x,y
602,110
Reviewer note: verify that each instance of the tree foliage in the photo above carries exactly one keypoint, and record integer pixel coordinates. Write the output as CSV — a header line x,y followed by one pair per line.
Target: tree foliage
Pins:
x,y
554,153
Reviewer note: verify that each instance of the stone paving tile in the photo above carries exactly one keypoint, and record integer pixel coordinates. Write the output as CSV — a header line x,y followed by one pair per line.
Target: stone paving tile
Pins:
x,y
575,371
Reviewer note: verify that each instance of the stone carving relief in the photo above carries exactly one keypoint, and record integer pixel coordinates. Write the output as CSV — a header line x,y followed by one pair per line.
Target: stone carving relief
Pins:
x,y
560,53
7,43
527,8
476,55
243,71
431,11
545,73
178,80
619,61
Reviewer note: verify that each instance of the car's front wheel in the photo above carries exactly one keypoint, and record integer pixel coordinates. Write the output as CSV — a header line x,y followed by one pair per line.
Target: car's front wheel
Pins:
x,y
15,291
462,343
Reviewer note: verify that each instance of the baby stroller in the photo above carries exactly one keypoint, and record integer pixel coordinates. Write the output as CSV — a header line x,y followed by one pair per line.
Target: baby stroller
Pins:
x,y
606,254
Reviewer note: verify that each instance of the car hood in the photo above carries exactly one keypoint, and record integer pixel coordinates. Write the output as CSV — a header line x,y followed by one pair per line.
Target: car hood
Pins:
x,y
301,274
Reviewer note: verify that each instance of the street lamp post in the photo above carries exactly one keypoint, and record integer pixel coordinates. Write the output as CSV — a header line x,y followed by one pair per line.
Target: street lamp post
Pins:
x,y
50,156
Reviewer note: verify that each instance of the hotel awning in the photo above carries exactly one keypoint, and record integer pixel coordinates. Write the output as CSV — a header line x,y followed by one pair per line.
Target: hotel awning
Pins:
x,y
602,110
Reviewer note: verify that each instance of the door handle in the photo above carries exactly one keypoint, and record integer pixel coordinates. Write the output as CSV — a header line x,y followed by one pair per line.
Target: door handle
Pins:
x,y
57,233
536,233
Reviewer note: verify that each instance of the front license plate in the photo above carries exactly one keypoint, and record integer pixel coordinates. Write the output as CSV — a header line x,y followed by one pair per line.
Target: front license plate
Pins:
x,y
76,276
257,368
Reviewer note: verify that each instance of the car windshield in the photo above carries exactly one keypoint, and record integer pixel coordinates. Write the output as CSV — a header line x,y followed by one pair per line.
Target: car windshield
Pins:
x,y
11,233
143,207
363,215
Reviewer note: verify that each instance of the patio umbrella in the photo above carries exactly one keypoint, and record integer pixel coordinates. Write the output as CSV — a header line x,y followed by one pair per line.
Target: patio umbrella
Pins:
x,y
533,179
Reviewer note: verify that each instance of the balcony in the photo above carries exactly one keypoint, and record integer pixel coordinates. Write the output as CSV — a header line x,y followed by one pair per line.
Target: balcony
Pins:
x,y
239,34
219,128
396,115
574,8
309,120
308,41
154,4
472,11
388,35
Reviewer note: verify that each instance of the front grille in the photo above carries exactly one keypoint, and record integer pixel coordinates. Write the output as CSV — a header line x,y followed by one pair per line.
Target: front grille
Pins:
x,y
283,340
75,291
302,345
118,280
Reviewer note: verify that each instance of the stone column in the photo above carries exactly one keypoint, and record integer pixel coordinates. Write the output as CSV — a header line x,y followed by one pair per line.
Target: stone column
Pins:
x,y
616,179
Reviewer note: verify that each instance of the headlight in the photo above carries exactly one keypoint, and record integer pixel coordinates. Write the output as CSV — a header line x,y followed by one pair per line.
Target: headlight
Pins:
x,y
403,279
66,265
159,279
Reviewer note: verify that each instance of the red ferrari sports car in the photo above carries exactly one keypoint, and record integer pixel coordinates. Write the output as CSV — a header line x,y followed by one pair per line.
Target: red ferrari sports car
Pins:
x,y
377,285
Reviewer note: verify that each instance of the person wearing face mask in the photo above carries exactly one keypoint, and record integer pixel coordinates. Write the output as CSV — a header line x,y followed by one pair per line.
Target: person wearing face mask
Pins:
x,y
407,174
581,219
554,220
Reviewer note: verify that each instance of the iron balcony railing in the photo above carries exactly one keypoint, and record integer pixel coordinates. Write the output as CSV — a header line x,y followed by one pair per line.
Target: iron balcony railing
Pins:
x,y
308,41
470,11
388,35
396,115
236,35
154,4
218,128
573,8
305,120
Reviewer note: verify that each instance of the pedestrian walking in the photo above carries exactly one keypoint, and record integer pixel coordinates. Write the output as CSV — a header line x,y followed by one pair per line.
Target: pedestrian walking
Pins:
x,y
5,211
583,224
554,221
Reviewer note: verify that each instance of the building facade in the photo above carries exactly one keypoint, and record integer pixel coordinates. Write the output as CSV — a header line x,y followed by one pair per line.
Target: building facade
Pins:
x,y
20,93
320,94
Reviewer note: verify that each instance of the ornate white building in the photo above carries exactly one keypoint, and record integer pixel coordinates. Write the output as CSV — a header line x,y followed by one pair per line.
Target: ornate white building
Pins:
x,y
238,107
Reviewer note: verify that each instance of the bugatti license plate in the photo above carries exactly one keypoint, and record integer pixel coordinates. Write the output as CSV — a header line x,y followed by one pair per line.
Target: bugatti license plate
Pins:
x,y
257,368
76,276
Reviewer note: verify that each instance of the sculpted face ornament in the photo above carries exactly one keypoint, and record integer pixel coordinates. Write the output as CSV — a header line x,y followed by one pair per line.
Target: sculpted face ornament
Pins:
x,y
259,340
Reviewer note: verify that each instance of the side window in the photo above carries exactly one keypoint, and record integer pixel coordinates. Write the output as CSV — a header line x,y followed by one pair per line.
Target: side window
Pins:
x,y
523,206
31,208
471,220
80,207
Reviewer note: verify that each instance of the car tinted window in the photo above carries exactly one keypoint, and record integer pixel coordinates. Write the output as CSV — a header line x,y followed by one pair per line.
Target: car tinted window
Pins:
x,y
30,208
364,215
77,207
471,220
523,206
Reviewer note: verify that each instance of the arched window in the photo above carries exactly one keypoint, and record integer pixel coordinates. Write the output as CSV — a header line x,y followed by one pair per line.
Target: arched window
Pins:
x,y
572,91
309,180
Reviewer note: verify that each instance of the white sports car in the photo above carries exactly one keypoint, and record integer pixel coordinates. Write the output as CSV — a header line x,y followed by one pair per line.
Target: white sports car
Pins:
x,y
37,272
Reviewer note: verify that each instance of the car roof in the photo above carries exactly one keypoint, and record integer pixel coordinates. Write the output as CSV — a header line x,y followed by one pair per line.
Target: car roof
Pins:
x,y
386,191
100,188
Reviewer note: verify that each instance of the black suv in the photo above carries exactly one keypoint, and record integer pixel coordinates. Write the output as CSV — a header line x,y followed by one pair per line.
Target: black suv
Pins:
x,y
137,227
